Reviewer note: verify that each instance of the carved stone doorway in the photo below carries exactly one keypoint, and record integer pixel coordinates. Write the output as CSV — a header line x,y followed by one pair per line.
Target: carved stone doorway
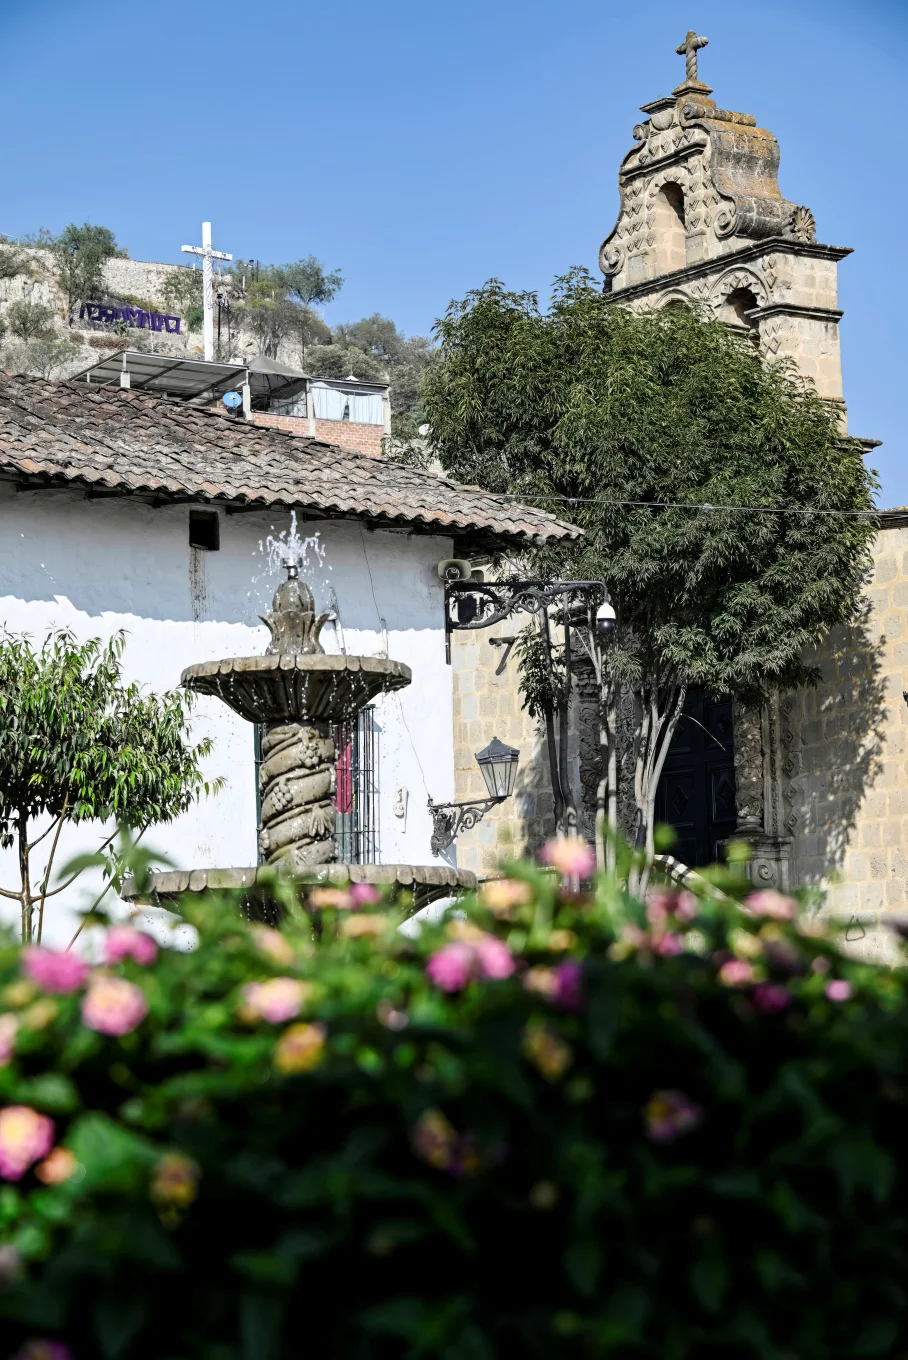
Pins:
x,y
696,793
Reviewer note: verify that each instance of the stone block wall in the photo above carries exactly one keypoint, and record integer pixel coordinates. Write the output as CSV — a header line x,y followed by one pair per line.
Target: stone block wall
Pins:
x,y
844,748
487,705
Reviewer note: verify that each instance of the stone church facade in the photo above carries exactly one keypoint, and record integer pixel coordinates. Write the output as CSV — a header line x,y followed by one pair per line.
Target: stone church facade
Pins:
x,y
821,774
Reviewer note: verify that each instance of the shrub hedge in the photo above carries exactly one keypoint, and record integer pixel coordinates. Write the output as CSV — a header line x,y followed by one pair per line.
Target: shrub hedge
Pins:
x,y
552,1124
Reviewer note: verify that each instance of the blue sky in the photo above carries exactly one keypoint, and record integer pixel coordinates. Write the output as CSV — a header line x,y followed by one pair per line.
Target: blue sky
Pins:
x,y
424,148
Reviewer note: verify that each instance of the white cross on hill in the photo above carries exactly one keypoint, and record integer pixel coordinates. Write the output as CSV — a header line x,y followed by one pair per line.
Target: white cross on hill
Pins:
x,y
207,255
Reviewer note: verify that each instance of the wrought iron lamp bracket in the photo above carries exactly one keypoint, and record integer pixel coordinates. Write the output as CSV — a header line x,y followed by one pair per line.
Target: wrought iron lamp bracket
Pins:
x,y
498,600
450,819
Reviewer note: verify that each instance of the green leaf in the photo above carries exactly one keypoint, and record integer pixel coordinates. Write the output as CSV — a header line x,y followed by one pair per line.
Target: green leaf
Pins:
x,y
114,1158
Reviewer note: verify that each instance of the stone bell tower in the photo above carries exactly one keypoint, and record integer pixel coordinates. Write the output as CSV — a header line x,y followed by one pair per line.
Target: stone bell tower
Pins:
x,y
702,220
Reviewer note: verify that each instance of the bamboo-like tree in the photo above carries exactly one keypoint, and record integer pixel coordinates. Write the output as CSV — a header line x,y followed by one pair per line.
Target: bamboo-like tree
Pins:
x,y
78,744
723,507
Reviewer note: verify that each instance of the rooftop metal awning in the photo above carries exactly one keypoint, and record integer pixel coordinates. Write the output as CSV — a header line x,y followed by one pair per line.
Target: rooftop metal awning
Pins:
x,y
165,374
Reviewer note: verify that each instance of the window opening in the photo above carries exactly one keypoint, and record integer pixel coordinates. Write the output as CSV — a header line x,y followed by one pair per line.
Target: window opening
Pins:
x,y
669,227
739,302
204,530
357,796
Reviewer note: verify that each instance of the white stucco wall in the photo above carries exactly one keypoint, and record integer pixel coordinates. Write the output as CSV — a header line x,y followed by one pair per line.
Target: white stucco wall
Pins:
x,y
97,566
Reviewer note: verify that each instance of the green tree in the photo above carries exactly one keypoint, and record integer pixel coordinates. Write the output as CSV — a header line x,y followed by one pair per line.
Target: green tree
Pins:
x,y
44,357
181,288
399,359
275,301
12,261
77,744
645,430
29,320
80,254
339,360
305,281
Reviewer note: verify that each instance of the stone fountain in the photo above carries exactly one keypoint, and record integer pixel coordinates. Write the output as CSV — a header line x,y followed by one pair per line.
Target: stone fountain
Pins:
x,y
297,693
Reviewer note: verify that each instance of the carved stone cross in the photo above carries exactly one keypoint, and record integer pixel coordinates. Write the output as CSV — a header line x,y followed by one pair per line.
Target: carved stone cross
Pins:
x,y
688,49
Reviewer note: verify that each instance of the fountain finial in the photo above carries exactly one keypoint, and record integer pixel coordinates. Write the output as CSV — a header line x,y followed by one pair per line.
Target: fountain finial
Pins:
x,y
293,622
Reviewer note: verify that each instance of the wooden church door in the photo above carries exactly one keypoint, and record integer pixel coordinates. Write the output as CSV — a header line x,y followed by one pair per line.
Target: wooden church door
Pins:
x,y
696,793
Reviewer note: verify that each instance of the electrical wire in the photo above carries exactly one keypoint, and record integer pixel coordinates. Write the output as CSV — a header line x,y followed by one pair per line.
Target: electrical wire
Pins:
x,y
686,505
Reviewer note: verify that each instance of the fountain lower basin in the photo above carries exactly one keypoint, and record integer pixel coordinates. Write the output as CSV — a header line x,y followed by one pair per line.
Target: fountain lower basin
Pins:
x,y
425,884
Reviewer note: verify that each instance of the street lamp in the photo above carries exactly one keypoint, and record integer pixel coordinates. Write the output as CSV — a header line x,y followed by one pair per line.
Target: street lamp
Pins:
x,y
498,764
499,768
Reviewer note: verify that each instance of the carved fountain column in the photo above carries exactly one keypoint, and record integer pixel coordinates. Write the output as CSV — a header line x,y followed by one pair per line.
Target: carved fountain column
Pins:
x,y
297,693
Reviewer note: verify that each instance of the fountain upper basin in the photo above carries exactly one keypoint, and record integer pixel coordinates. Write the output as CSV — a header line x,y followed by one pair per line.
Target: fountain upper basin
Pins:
x,y
300,687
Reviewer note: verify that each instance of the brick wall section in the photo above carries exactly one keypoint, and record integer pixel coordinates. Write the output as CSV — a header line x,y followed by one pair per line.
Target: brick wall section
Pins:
x,y
349,434
487,705
847,776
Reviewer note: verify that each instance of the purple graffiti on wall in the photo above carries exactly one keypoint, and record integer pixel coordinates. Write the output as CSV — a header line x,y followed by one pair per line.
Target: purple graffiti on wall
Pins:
x,y
133,316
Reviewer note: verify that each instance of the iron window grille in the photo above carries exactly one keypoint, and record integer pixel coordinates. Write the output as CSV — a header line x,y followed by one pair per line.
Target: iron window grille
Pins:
x,y
357,794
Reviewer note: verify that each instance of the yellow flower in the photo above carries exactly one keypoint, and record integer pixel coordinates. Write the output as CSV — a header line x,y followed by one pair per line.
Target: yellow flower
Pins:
x,y
434,1138
466,931
19,993
175,1181
330,897
745,945
361,924
57,1167
560,940
300,1048
541,980
550,1054
502,895
40,1014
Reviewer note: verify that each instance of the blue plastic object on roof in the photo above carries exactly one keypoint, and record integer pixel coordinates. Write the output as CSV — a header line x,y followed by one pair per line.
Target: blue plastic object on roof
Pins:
x,y
232,400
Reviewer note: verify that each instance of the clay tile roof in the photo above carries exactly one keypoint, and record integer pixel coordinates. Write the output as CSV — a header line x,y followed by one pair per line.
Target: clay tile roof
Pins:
x,y
66,433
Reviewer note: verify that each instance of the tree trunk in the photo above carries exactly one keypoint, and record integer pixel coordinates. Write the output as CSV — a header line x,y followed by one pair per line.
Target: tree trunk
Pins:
x,y
24,877
657,729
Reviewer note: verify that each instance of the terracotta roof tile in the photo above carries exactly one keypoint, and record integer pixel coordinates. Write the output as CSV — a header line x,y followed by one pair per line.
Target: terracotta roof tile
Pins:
x,y
66,433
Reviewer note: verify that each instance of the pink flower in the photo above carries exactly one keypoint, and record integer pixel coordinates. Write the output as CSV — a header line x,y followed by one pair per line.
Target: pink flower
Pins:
x,y
9,1025
494,958
571,856
10,1264
54,970
273,943
668,1114
276,1000
839,990
568,977
668,944
688,906
25,1137
770,997
660,903
123,942
364,895
768,902
113,1006
40,1348
451,967
736,973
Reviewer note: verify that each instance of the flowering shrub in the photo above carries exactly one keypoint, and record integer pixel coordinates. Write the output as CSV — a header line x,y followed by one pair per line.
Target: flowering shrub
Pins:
x,y
553,1124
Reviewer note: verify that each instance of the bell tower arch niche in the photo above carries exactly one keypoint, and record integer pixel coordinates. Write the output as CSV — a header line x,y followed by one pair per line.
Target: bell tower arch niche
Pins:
x,y
738,304
669,228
